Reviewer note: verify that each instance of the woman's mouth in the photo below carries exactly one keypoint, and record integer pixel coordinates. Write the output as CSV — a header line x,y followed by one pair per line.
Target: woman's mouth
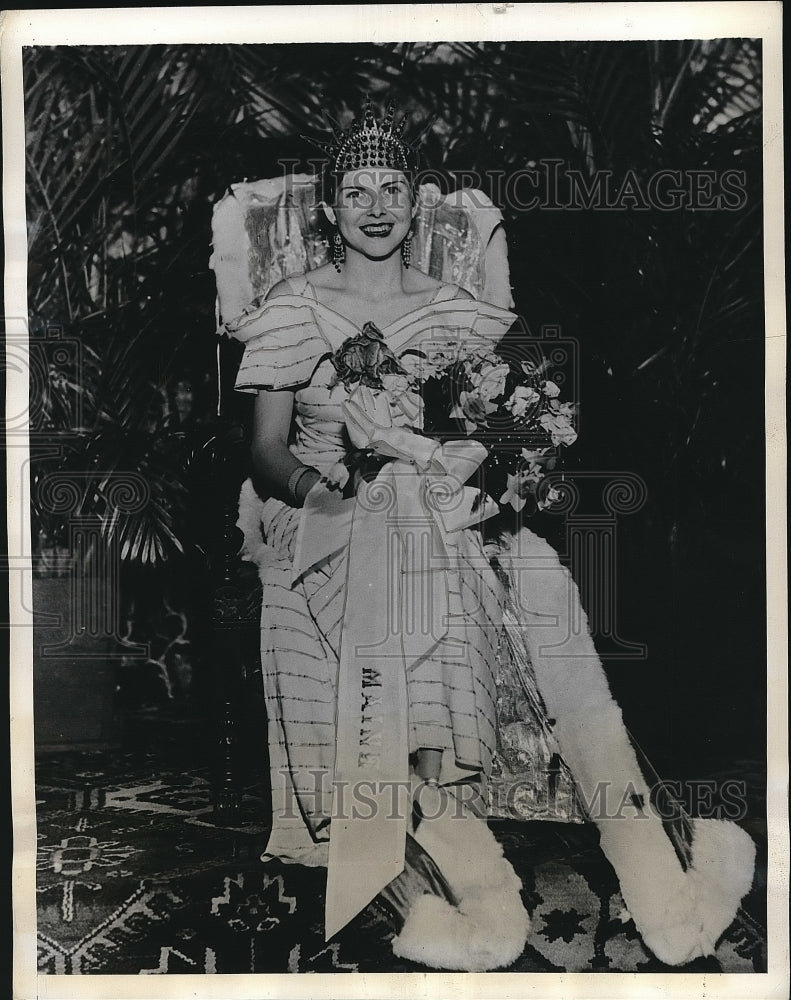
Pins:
x,y
378,230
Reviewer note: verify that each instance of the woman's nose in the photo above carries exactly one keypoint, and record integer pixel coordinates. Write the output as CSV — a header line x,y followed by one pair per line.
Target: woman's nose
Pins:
x,y
376,208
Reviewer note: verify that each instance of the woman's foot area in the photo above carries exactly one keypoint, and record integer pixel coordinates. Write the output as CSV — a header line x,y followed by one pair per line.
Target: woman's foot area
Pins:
x,y
428,764
428,797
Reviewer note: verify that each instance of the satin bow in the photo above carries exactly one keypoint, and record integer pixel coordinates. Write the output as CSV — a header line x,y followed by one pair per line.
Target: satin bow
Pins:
x,y
427,479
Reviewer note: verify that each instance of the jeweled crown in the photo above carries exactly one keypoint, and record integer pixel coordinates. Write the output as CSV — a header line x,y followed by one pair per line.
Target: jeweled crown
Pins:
x,y
369,143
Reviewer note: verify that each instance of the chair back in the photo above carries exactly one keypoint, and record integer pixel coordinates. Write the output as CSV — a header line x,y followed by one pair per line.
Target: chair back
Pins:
x,y
267,230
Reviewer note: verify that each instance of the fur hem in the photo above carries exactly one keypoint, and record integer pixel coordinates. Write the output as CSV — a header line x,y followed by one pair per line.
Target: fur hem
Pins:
x,y
254,549
679,914
489,927
683,917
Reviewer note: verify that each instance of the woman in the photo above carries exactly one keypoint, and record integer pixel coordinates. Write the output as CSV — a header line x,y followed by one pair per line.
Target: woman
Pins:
x,y
382,723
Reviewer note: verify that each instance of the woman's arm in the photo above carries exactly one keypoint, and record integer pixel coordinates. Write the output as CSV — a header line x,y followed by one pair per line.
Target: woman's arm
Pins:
x,y
274,466
275,469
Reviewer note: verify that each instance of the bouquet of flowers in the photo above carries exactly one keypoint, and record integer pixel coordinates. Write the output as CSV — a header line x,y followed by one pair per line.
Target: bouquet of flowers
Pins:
x,y
450,389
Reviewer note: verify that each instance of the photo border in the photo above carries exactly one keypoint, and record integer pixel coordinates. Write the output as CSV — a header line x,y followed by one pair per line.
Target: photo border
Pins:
x,y
394,22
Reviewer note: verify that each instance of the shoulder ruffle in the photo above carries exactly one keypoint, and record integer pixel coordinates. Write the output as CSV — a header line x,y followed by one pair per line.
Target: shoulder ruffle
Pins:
x,y
493,322
285,338
459,319
283,344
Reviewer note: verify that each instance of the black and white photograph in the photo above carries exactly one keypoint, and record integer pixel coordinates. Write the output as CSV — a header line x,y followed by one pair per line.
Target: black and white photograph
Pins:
x,y
395,456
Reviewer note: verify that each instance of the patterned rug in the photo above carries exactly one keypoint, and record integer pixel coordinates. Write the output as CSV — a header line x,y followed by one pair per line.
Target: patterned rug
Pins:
x,y
136,877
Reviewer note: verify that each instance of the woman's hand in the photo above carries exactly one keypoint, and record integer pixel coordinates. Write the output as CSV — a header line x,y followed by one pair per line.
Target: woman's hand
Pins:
x,y
274,464
306,484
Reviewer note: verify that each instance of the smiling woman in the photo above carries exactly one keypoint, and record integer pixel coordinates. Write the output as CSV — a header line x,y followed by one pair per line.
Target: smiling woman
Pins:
x,y
377,728
373,207
666,304
388,624
372,211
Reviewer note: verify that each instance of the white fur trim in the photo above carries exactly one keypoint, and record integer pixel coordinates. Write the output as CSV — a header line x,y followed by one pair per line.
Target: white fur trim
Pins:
x,y
489,928
688,914
254,548
680,914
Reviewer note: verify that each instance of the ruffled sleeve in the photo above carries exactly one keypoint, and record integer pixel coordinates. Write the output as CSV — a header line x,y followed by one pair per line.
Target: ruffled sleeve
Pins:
x,y
492,322
454,319
283,344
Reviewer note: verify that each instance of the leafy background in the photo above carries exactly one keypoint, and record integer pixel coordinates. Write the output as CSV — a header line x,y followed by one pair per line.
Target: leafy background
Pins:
x,y
129,147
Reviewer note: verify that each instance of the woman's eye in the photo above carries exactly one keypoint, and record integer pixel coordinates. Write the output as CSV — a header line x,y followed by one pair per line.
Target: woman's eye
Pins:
x,y
396,194
357,197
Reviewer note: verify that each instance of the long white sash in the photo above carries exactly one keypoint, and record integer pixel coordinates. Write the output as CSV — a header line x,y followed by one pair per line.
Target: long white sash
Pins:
x,y
399,533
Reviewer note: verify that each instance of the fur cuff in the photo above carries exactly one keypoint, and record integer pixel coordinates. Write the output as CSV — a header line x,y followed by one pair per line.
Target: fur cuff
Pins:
x,y
682,915
489,927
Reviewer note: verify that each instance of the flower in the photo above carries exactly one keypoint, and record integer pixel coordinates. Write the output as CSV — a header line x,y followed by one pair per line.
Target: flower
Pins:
x,y
523,397
467,383
396,384
514,494
533,474
473,410
558,426
490,382
552,496
563,409
365,358
551,390
536,461
532,454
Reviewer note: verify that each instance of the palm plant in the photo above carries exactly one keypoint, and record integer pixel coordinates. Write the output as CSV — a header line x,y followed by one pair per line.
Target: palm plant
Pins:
x,y
103,219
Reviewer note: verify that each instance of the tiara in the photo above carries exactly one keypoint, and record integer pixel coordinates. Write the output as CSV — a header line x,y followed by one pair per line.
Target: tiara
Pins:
x,y
369,143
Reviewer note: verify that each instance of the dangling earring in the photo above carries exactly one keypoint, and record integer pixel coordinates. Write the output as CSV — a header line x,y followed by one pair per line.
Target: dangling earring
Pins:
x,y
338,252
406,250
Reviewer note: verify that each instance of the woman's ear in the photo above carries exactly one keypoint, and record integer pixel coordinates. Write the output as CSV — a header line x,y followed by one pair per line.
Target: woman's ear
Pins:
x,y
415,200
329,213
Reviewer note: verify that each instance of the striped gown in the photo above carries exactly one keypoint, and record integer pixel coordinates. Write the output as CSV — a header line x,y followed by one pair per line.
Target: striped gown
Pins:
x,y
458,704
451,693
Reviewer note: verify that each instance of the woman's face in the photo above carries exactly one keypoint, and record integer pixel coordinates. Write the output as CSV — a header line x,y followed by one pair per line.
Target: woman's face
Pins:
x,y
373,210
